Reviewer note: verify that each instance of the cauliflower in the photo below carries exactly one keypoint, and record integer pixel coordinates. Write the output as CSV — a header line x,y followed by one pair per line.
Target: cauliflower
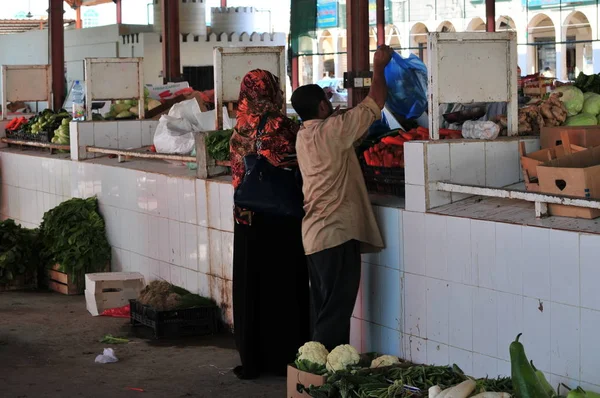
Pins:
x,y
341,357
312,357
384,360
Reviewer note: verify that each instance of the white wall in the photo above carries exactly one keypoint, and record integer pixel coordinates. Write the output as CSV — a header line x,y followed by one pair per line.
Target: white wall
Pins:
x,y
193,53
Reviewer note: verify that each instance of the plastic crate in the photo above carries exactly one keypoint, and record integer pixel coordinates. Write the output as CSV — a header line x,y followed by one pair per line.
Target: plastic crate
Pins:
x,y
200,321
42,136
384,180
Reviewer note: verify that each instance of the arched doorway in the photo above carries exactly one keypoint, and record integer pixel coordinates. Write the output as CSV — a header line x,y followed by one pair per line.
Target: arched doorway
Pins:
x,y
476,25
327,49
393,37
542,45
418,41
506,24
446,27
578,35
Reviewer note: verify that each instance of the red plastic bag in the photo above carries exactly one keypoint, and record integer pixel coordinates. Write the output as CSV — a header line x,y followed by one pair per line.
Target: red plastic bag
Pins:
x,y
121,312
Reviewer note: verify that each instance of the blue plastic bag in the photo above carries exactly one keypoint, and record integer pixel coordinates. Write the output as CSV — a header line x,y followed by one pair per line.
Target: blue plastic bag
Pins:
x,y
406,79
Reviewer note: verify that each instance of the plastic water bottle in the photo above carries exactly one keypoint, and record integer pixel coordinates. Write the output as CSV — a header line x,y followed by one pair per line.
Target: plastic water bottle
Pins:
x,y
78,95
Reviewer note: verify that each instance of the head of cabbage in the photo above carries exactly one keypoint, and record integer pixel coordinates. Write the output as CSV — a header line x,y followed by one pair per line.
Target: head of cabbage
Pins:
x,y
591,104
583,119
572,97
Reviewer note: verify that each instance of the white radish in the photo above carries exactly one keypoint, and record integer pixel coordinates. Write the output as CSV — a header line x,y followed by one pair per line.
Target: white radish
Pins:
x,y
444,394
493,395
462,390
434,391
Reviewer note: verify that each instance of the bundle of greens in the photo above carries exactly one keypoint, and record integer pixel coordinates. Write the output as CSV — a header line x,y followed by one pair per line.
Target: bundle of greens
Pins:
x,y
395,381
588,83
164,296
217,144
74,236
19,251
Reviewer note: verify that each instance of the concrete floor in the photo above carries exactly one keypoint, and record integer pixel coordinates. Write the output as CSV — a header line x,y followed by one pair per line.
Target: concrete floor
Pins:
x,y
48,344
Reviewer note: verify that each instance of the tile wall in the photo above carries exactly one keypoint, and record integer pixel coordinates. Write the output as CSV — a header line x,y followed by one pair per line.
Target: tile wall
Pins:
x,y
176,229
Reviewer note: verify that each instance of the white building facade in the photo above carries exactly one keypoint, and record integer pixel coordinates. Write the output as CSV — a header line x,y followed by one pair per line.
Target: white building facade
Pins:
x,y
559,35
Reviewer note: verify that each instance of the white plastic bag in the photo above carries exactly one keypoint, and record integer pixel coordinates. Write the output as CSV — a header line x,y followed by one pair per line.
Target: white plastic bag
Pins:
x,y
108,356
480,130
175,131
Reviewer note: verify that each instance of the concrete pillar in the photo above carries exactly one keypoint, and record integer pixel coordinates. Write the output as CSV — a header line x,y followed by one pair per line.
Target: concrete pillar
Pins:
x,y
316,59
522,51
561,52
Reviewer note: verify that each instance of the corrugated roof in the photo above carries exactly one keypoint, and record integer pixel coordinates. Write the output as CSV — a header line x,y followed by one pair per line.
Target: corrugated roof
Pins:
x,y
8,26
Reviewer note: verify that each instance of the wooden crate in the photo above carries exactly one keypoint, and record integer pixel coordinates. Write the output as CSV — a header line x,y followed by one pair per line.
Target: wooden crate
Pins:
x,y
27,281
63,283
585,136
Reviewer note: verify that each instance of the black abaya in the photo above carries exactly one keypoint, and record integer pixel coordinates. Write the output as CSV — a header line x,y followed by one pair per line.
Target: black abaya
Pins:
x,y
270,294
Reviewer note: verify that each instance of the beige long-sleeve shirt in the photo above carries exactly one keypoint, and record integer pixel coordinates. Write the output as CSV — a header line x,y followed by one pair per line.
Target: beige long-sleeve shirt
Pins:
x,y
336,201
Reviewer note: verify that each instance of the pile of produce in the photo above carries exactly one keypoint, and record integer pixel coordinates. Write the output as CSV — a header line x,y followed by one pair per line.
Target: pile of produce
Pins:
x,y
47,122
588,83
62,133
164,296
217,144
549,112
74,236
350,375
19,251
388,150
123,109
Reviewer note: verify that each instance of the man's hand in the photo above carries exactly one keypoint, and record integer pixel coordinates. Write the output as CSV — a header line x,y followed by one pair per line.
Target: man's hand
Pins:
x,y
382,57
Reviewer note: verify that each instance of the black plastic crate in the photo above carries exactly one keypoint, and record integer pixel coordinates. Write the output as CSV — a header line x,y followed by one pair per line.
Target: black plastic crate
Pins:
x,y
42,136
384,180
200,321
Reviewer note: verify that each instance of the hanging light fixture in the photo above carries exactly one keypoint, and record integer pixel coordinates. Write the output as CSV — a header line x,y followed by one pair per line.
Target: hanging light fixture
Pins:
x,y
29,14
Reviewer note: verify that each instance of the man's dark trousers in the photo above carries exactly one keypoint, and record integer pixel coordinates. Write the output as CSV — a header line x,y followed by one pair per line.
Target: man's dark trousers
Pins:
x,y
335,280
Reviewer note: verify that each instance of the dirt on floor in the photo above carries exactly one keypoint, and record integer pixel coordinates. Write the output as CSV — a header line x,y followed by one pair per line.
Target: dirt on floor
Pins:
x,y
48,344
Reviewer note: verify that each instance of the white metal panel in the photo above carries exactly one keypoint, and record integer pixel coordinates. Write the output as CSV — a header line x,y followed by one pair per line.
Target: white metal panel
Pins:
x,y
114,79
464,72
472,67
27,83
232,64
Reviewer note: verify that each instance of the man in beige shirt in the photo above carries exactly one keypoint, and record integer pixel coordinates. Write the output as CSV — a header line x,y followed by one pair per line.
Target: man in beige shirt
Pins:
x,y
339,223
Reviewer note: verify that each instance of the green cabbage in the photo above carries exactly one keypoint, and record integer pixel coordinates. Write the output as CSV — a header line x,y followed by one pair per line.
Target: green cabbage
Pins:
x,y
592,104
587,95
583,119
572,97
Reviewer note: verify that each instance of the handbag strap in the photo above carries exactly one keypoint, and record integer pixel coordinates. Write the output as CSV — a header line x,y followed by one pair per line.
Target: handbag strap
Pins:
x,y
260,130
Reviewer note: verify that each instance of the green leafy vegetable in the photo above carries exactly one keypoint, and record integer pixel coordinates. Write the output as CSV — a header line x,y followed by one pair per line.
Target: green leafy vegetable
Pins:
x,y
74,236
19,251
217,144
110,339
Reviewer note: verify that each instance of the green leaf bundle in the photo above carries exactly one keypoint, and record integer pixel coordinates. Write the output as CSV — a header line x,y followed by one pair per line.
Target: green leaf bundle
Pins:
x,y
19,250
217,144
74,236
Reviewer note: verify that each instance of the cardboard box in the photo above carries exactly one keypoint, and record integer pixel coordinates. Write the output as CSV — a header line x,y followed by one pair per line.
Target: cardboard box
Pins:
x,y
530,161
296,377
588,136
108,290
576,175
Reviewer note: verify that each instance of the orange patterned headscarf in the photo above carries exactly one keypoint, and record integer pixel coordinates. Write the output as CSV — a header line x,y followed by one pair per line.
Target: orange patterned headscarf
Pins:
x,y
260,96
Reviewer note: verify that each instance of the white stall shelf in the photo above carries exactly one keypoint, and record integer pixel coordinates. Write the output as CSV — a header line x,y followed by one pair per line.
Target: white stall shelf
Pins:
x,y
232,64
472,67
108,79
26,83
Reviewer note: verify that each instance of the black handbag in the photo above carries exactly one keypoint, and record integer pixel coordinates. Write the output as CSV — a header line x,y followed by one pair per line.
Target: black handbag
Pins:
x,y
268,189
